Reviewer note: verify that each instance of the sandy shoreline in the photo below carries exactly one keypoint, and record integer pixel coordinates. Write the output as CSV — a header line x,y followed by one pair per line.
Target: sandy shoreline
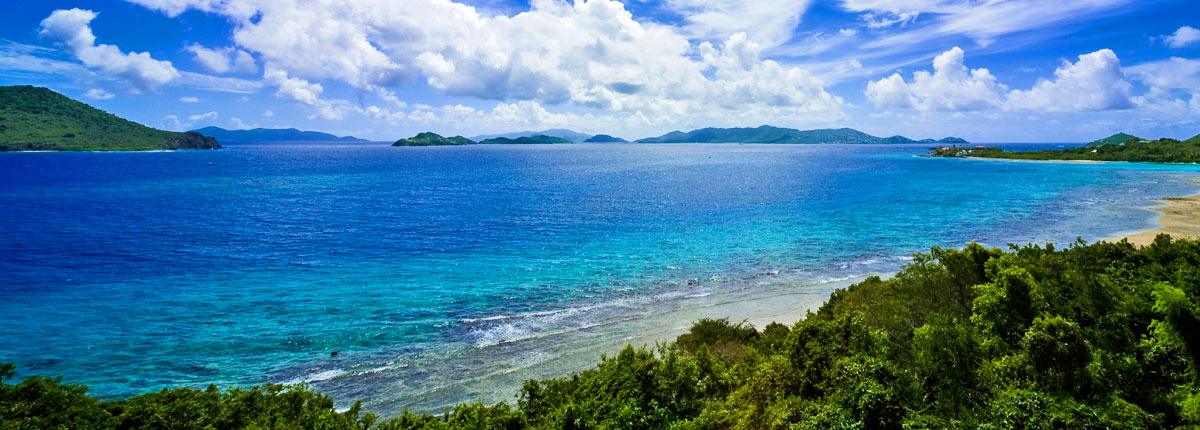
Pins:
x,y
1180,219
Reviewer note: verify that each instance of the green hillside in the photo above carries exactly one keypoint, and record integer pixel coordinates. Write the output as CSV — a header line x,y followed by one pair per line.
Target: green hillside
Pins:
x,y
38,119
538,139
432,139
1116,139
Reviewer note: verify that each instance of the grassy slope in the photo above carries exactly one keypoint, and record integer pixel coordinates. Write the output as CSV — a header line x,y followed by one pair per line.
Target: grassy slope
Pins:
x,y
33,118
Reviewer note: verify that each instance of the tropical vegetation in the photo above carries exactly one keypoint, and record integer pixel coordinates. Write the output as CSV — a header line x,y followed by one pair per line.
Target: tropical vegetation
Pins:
x,y
1093,336
38,119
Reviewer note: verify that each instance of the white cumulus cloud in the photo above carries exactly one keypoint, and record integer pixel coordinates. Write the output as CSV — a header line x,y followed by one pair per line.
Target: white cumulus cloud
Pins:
x,y
1095,82
1184,36
70,28
951,87
591,53
189,99
223,60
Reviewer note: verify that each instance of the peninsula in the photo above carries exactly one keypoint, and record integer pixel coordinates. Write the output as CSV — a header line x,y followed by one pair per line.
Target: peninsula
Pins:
x,y
1164,150
39,119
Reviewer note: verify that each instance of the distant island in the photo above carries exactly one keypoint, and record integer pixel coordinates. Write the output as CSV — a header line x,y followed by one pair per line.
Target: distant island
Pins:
x,y
274,135
537,139
763,134
571,136
769,134
1132,148
39,119
604,138
432,139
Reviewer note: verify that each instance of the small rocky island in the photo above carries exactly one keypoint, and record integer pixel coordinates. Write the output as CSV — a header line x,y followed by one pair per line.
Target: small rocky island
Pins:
x,y
39,119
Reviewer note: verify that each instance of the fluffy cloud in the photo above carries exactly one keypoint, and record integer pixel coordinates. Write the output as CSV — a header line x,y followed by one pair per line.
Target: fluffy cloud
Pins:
x,y
951,87
223,60
189,99
1095,82
98,94
591,53
770,23
71,29
172,123
1184,36
1171,74
304,92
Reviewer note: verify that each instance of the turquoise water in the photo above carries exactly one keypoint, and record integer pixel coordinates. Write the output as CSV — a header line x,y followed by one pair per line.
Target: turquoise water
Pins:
x,y
447,274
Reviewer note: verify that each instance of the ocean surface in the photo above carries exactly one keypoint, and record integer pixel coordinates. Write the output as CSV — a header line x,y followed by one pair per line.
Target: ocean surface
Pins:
x,y
445,274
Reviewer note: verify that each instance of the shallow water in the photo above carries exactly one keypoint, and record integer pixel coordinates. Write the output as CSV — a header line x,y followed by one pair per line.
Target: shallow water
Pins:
x,y
446,274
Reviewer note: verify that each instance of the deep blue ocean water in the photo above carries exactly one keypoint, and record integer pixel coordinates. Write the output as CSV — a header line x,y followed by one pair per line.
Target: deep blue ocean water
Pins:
x,y
445,274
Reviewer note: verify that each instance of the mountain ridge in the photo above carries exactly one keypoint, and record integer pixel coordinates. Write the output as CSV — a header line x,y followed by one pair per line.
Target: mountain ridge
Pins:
x,y
275,135
568,134
771,134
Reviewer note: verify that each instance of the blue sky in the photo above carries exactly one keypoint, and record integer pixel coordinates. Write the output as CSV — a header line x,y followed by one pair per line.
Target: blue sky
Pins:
x,y
988,71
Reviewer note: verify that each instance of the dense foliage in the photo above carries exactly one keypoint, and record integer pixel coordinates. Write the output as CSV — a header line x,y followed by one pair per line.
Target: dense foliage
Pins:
x,y
432,139
1165,150
1092,336
769,134
33,118
535,139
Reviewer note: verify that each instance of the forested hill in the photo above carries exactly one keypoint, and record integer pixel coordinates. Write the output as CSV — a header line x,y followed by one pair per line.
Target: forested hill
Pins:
x,y
275,135
34,118
1099,336
769,134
